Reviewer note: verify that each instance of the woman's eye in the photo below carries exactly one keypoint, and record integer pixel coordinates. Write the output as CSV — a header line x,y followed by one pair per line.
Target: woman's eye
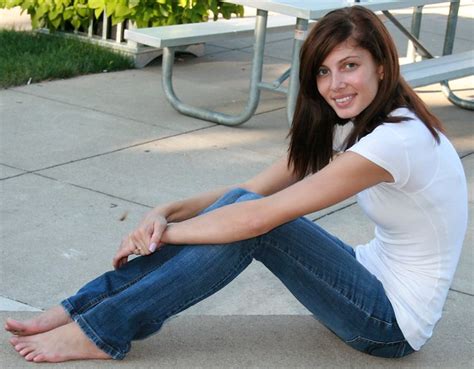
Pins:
x,y
322,72
350,66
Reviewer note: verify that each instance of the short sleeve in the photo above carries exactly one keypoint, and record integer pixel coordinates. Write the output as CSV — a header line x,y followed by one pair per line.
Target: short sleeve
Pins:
x,y
387,149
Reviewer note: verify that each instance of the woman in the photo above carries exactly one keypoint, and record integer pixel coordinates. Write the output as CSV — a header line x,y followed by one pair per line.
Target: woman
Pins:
x,y
382,298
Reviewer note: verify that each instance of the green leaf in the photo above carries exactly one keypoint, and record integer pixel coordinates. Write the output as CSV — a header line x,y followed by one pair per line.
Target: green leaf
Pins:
x,y
68,13
28,4
141,23
196,18
36,22
42,10
163,11
53,14
171,20
55,22
121,10
82,10
11,3
98,12
110,6
76,22
96,4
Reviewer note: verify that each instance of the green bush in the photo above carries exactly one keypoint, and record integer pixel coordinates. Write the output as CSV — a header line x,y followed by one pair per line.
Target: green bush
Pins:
x,y
66,14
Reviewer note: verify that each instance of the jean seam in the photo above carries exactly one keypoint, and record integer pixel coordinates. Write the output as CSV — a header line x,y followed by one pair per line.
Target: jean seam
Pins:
x,y
310,270
357,338
69,308
401,350
210,291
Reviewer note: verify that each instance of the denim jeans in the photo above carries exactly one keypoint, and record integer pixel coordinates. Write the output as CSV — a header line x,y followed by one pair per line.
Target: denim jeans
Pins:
x,y
321,271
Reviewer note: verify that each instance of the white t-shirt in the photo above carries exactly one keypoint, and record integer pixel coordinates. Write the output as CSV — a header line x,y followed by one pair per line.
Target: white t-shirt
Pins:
x,y
420,221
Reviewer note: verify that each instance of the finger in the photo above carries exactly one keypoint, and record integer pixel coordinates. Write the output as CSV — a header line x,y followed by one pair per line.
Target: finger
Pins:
x,y
126,249
117,261
122,262
158,229
139,243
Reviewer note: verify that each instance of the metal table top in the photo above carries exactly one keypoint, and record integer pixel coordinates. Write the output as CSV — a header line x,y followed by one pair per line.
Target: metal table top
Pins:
x,y
315,9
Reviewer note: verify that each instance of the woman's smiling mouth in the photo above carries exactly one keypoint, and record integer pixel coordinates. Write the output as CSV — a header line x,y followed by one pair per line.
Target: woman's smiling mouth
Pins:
x,y
344,100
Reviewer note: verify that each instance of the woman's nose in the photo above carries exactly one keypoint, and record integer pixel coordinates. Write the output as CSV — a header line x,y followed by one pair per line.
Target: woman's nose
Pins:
x,y
337,81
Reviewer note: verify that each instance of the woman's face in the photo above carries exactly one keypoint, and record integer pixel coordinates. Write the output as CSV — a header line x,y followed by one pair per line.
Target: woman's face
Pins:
x,y
348,79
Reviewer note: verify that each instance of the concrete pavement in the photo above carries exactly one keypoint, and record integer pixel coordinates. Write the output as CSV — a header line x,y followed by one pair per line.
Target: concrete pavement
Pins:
x,y
79,155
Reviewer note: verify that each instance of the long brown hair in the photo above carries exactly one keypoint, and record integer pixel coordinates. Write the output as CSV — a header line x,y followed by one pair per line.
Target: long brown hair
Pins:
x,y
312,130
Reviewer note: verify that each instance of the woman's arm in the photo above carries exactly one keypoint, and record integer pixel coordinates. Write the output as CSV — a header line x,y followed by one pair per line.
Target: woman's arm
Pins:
x,y
271,180
146,237
347,175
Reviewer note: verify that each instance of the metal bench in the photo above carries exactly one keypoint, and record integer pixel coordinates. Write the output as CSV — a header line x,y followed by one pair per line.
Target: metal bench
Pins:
x,y
442,69
193,33
446,67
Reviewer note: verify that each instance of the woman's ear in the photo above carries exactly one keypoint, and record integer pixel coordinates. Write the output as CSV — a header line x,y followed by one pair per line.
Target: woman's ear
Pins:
x,y
380,72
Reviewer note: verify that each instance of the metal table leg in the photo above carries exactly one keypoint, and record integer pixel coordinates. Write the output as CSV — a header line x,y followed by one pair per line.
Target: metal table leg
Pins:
x,y
420,48
448,49
415,31
294,84
254,90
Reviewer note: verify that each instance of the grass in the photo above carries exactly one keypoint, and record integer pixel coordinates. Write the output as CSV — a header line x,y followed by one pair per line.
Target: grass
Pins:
x,y
28,57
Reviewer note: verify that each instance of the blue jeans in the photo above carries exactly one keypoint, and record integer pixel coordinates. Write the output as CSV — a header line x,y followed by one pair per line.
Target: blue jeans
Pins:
x,y
321,271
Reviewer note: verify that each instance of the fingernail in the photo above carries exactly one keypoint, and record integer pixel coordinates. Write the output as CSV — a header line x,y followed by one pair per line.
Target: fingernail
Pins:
x,y
152,247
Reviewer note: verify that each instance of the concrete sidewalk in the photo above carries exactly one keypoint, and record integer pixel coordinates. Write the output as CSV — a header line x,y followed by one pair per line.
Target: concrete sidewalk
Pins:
x,y
81,160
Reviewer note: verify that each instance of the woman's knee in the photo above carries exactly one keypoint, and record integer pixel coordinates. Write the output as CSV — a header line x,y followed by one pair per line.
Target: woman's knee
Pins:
x,y
240,194
231,197
246,195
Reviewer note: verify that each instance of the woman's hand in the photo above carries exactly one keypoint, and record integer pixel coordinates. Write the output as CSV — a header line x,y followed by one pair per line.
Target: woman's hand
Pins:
x,y
144,240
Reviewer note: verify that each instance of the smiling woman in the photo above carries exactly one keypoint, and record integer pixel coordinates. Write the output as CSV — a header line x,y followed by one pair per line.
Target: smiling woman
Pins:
x,y
382,298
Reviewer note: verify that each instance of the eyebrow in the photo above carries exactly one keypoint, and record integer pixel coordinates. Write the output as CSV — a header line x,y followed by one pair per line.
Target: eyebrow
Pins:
x,y
344,59
349,57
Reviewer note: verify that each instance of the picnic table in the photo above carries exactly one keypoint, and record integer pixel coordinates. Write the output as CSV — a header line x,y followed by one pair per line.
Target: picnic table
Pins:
x,y
437,69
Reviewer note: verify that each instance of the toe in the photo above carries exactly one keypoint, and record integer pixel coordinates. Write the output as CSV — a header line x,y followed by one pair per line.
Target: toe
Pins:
x,y
39,358
13,325
25,351
14,340
31,356
20,346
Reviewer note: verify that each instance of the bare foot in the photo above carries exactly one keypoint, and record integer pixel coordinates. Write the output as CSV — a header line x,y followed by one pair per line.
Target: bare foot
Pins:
x,y
64,343
50,319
